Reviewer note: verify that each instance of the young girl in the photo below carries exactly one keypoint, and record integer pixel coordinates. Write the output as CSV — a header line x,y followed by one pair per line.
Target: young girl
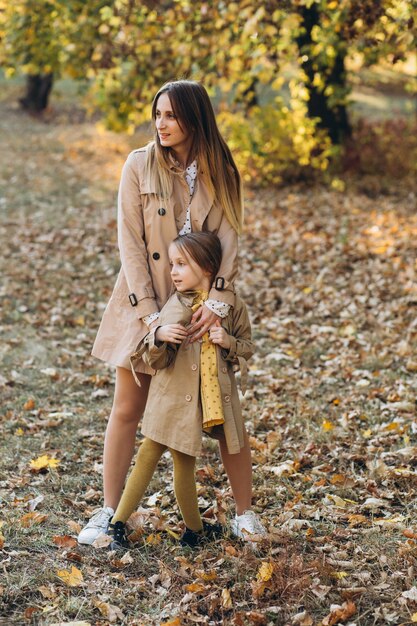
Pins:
x,y
184,181
194,387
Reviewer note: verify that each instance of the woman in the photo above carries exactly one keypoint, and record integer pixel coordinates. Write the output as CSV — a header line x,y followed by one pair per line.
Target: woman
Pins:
x,y
185,180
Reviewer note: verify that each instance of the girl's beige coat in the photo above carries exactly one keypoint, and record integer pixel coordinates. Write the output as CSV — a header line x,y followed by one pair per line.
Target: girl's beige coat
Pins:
x,y
173,413
146,227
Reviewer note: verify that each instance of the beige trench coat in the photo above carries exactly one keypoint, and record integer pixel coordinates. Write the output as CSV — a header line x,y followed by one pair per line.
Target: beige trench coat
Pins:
x,y
146,227
173,414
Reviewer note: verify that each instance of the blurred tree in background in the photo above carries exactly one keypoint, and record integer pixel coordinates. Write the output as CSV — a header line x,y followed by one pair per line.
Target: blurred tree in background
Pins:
x,y
276,69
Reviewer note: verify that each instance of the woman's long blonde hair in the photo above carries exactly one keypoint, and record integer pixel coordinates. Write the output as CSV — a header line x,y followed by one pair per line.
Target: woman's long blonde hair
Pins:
x,y
192,107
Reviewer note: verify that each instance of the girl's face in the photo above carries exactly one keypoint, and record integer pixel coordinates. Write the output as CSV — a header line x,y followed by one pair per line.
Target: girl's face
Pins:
x,y
185,273
169,131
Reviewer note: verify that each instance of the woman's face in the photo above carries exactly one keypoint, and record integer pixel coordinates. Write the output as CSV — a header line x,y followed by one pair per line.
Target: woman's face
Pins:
x,y
169,131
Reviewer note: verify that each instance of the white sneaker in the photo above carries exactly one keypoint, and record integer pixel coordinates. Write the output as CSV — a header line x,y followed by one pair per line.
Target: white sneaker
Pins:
x,y
97,525
248,526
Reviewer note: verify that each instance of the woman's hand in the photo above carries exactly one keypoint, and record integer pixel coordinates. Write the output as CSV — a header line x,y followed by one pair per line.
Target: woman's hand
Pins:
x,y
202,320
219,336
173,333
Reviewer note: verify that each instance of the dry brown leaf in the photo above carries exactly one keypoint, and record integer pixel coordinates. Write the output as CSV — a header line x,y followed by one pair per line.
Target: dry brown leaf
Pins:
x,y
102,541
109,611
74,527
64,541
410,534
339,614
48,592
30,519
30,611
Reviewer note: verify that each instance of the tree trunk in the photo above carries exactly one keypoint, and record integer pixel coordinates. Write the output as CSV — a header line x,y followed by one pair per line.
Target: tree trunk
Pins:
x,y
38,88
334,119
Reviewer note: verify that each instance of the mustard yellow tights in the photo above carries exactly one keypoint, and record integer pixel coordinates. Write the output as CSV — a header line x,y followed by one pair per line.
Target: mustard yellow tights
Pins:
x,y
185,489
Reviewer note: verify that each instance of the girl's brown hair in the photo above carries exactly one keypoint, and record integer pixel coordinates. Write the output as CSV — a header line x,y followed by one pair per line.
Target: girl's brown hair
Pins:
x,y
192,107
204,248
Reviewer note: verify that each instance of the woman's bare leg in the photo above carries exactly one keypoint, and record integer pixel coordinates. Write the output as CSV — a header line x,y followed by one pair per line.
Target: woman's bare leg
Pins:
x,y
239,471
119,443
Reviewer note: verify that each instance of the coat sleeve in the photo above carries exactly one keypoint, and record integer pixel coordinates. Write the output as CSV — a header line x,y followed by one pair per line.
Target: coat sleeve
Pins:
x,y
229,265
156,356
159,357
131,239
242,346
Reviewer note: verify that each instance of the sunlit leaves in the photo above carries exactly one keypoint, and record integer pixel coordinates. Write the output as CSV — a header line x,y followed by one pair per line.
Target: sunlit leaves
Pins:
x,y
44,462
72,577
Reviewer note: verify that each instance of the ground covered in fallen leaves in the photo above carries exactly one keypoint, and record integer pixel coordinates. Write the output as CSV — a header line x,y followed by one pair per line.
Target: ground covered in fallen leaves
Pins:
x,y
330,281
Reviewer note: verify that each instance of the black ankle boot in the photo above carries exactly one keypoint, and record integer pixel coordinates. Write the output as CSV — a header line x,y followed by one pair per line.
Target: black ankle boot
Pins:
x,y
117,532
195,538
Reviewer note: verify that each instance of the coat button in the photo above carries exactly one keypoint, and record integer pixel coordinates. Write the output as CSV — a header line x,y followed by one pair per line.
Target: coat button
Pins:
x,y
227,398
188,397
194,367
161,211
156,256
224,369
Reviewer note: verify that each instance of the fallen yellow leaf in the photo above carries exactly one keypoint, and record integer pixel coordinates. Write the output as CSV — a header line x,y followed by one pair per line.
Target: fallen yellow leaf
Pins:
x,y
226,599
173,534
356,519
327,425
265,571
43,462
210,575
414,617
74,578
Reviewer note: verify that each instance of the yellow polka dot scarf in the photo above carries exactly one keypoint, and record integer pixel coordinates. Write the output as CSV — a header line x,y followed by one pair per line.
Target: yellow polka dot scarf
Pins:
x,y
211,399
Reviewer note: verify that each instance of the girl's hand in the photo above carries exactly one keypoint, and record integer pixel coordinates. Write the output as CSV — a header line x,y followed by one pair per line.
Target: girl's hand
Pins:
x,y
174,333
219,336
202,320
